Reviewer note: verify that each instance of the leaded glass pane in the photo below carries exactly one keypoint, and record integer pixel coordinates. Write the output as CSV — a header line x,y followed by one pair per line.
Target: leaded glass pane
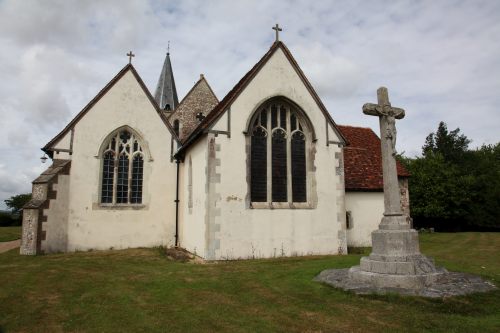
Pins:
x,y
122,180
258,169
298,147
124,136
274,116
282,117
107,178
279,173
293,122
263,118
137,174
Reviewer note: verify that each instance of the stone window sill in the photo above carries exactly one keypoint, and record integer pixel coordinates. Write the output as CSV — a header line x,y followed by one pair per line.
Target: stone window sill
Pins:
x,y
101,206
280,205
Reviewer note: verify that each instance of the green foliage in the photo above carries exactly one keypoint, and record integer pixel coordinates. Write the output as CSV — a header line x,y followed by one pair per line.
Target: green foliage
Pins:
x,y
451,145
7,219
437,188
16,202
452,186
483,166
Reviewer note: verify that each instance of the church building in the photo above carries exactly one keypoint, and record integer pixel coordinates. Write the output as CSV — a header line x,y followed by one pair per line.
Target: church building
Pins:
x,y
263,172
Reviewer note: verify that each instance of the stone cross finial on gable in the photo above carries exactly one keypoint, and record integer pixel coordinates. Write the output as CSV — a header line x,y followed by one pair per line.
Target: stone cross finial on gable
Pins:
x,y
278,29
200,116
130,55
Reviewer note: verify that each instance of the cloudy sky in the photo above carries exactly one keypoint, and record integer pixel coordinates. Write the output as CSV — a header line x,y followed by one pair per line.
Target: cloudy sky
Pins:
x,y
439,59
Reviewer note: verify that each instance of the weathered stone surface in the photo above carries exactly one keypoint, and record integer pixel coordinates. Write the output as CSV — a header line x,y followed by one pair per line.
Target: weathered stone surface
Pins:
x,y
440,284
30,232
200,99
33,211
396,264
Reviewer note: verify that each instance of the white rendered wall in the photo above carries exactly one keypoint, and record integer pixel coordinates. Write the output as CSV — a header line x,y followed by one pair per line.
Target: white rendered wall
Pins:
x,y
366,209
56,227
192,216
243,232
91,226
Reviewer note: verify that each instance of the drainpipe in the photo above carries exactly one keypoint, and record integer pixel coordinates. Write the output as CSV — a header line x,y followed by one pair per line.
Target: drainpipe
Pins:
x,y
177,205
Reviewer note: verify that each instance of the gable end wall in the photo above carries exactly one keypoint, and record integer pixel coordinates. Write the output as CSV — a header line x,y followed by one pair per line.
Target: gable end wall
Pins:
x,y
242,232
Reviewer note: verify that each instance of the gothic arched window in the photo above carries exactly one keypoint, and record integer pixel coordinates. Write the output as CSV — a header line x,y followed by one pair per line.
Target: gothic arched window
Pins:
x,y
278,155
122,169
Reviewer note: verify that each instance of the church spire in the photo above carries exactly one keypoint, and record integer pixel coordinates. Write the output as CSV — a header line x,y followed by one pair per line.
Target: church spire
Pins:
x,y
166,94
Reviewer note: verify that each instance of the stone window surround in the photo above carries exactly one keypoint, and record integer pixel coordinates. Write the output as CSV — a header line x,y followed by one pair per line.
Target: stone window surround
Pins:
x,y
310,138
144,205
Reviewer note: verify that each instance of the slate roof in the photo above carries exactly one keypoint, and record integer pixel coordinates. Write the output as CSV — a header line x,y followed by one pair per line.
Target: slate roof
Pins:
x,y
165,92
363,160
220,108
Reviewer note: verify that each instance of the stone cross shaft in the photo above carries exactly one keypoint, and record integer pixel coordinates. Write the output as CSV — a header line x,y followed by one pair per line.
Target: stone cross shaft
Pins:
x,y
387,116
278,29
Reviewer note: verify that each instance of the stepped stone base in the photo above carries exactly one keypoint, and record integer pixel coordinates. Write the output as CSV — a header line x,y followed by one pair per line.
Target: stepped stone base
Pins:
x,y
388,280
396,265
442,284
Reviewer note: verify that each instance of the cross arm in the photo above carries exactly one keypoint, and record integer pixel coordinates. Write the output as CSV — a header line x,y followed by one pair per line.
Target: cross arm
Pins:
x,y
372,109
398,113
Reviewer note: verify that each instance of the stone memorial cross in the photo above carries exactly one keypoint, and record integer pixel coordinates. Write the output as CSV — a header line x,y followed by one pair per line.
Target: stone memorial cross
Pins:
x,y
395,263
393,215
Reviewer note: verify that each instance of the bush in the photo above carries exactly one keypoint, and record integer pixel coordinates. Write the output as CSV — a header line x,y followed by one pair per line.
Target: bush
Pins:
x,y
7,219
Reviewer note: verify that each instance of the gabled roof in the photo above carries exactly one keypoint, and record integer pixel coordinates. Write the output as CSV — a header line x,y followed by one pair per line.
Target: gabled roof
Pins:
x,y
219,110
192,96
165,92
83,112
200,98
363,160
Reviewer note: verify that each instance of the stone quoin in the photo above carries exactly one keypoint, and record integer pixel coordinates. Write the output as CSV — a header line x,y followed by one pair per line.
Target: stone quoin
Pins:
x,y
263,172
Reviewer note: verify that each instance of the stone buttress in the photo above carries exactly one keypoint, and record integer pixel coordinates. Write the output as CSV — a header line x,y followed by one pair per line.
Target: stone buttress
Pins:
x,y
36,211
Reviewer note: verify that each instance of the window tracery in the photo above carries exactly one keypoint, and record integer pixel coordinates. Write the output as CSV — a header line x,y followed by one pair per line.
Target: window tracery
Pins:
x,y
122,169
278,155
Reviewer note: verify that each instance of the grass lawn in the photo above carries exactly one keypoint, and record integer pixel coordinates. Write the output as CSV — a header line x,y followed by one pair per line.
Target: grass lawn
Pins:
x,y
8,234
140,291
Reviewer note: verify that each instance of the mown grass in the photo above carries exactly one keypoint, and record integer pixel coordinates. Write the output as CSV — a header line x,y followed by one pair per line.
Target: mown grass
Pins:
x,y
8,234
139,290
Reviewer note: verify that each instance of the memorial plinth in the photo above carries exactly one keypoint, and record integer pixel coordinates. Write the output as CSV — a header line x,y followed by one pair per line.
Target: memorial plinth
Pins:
x,y
395,263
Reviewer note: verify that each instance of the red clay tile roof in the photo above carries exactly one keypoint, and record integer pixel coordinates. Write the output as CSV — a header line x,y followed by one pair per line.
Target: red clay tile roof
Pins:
x,y
363,160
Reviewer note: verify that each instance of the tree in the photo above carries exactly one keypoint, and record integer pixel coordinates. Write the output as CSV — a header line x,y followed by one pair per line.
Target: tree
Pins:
x,y
438,191
451,145
16,202
452,187
483,165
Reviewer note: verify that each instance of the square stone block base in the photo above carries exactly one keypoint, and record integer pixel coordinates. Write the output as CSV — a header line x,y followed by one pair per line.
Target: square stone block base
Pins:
x,y
394,281
395,262
387,244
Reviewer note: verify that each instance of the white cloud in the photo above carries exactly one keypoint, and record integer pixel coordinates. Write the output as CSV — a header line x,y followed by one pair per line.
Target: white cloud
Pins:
x,y
440,60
